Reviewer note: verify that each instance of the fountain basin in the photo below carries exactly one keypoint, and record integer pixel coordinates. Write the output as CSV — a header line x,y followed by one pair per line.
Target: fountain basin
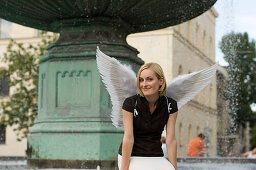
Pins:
x,y
217,163
184,163
139,15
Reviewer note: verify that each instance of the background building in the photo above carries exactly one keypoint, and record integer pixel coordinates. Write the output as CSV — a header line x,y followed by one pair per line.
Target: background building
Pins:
x,y
181,49
9,146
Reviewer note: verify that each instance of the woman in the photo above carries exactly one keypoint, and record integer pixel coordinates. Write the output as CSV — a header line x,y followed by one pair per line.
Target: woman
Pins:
x,y
144,118
250,154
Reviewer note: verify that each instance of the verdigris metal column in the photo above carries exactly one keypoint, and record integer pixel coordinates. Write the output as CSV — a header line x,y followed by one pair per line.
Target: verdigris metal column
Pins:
x,y
73,128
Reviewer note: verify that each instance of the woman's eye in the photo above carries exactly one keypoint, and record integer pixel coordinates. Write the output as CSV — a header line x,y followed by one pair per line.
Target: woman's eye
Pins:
x,y
150,79
141,80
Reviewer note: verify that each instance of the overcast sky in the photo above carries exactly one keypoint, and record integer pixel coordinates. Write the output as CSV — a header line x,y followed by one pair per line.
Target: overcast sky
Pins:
x,y
236,15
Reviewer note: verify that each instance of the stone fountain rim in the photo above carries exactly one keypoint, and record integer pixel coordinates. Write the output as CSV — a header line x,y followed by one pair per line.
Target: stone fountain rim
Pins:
x,y
216,160
179,159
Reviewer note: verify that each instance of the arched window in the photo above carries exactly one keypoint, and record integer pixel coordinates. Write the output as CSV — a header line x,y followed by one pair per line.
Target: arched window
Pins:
x,y
197,130
198,97
180,71
2,134
189,133
205,96
197,40
210,96
190,37
4,88
204,43
208,137
180,135
211,48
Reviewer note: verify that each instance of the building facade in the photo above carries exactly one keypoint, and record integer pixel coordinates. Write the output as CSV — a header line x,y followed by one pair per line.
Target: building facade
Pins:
x,y
9,146
181,49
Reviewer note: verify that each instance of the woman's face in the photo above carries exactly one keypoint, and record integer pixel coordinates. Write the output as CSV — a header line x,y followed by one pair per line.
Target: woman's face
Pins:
x,y
149,83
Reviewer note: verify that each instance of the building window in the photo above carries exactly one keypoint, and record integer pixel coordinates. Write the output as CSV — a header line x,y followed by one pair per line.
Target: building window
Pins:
x,y
211,96
208,134
190,31
211,48
180,71
189,133
198,130
198,97
180,135
204,42
205,96
5,29
4,88
197,36
2,134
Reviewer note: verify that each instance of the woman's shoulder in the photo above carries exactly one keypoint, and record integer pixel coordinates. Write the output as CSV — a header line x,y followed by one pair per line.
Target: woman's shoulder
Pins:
x,y
131,99
172,104
129,103
171,99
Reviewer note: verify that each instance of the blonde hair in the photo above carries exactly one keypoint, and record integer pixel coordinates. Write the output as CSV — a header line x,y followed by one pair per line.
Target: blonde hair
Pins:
x,y
159,74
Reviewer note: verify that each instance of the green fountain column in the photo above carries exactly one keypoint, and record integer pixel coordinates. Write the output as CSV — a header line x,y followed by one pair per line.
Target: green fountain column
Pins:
x,y
73,129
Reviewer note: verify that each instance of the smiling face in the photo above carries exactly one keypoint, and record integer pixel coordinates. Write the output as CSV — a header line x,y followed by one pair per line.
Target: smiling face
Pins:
x,y
149,83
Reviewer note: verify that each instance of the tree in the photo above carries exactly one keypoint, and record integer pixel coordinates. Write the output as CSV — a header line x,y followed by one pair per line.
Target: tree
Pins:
x,y
240,52
19,109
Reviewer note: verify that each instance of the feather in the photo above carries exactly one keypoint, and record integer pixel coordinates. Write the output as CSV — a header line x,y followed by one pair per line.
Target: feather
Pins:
x,y
185,87
120,82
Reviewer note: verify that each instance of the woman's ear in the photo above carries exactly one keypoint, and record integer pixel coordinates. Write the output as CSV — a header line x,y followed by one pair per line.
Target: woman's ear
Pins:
x,y
161,81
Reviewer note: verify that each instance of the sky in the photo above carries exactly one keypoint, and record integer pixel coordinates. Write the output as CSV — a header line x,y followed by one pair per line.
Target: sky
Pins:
x,y
237,16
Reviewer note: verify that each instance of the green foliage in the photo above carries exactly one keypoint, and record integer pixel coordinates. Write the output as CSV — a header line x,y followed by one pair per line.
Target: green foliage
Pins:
x,y
19,109
239,52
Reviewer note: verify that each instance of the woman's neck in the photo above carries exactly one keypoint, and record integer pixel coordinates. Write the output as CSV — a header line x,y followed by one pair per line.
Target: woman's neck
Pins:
x,y
152,99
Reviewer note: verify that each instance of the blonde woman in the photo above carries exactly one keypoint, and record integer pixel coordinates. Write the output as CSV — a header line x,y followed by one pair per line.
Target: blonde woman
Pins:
x,y
144,117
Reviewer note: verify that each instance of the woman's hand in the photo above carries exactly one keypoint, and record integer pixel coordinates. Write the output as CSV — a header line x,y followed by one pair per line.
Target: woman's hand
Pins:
x,y
128,139
171,143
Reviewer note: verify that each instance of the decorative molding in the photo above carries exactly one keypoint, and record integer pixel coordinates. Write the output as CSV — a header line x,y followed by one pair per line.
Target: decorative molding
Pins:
x,y
73,88
193,48
202,107
214,12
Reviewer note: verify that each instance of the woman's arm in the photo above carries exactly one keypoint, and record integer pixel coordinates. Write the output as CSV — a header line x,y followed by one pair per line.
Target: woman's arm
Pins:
x,y
171,142
128,139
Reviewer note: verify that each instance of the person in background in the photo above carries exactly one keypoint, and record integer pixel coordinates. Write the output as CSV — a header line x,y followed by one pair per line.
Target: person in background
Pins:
x,y
196,147
163,140
250,154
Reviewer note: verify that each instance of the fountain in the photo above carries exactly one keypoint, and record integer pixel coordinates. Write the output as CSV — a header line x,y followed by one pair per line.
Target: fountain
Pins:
x,y
73,129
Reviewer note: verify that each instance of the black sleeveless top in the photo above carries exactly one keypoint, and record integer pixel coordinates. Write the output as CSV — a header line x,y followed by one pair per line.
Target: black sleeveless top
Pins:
x,y
147,127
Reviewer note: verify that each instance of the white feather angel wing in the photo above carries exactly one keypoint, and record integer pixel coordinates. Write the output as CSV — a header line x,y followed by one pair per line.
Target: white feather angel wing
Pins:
x,y
120,81
185,87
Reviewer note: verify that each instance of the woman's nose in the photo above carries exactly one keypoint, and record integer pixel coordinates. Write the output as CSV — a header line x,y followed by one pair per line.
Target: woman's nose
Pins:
x,y
144,83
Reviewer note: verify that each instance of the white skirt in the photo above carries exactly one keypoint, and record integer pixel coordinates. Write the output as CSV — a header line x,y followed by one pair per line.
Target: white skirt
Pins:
x,y
147,163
